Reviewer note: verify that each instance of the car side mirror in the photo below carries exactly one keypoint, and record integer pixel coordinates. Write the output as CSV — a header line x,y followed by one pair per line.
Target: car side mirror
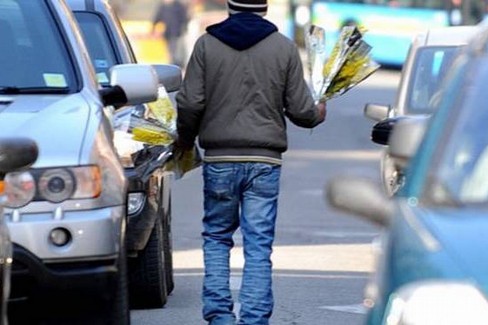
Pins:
x,y
405,139
131,84
360,196
17,153
169,76
376,112
382,130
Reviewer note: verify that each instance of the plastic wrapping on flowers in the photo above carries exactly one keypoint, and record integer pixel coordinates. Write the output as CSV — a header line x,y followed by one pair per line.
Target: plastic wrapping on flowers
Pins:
x,y
315,46
154,126
348,64
157,125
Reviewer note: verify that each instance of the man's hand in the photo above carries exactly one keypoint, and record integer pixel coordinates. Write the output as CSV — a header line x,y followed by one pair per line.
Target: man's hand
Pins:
x,y
180,145
322,108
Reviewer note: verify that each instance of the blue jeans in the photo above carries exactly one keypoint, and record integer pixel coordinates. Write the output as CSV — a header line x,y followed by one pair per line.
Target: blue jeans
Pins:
x,y
237,195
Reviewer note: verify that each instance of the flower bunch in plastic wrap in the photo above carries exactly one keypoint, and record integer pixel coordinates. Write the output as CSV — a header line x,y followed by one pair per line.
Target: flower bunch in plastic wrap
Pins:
x,y
157,124
152,132
348,64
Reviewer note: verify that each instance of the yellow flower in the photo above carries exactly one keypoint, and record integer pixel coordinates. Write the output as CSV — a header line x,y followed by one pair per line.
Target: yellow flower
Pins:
x,y
152,135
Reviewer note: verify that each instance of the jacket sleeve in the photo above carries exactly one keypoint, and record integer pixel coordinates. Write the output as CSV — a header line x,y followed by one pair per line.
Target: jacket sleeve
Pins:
x,y
191,97
298,101
159,16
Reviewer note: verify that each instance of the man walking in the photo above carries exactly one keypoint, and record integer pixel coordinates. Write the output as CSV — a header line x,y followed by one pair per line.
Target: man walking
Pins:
x,y
174,15
242,80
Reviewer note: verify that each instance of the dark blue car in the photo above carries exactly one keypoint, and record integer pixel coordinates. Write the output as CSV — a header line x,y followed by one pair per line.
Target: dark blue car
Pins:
x,y
432,262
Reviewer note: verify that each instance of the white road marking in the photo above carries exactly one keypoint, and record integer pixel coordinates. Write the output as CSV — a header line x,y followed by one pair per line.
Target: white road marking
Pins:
x,y
320,258
235,282
237,308
352,309
235,285
278,274
334,154
344,234
312,192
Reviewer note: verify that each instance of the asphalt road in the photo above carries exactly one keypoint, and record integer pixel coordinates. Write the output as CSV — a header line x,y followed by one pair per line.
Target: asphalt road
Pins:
x,y
322,258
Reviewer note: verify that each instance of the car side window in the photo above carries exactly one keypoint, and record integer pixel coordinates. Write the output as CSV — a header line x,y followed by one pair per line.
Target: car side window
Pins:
x,y
99,45
458,171
430,67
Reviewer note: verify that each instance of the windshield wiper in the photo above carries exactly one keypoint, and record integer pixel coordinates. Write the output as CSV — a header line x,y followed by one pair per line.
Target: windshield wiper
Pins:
x,y
12,90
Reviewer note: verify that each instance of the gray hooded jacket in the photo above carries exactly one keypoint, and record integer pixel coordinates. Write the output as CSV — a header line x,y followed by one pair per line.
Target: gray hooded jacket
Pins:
x,y
235,95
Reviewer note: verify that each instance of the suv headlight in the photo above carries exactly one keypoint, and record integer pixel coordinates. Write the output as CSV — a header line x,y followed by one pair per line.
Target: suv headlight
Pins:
x,y
56,185
52,184
19,189
135,202
438,303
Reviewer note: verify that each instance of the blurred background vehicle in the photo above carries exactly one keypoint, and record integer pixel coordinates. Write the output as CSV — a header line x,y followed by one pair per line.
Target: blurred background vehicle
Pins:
x,y
429,58
148,236
137,19
432,259
68,222
389,25
15,154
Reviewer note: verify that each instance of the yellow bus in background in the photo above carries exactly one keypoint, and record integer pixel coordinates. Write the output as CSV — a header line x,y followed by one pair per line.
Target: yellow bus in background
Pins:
x,y
148,47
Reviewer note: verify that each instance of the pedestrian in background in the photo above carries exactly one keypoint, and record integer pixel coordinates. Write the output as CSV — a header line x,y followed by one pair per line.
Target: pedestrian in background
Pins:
x,y
173,14
243,78
466,12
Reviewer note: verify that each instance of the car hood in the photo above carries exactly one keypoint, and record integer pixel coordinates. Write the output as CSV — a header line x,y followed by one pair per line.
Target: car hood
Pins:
x,y
57,123
463,235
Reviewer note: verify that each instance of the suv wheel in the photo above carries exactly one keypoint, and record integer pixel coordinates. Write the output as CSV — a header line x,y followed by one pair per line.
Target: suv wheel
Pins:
x,y
120,313
168,248
147,283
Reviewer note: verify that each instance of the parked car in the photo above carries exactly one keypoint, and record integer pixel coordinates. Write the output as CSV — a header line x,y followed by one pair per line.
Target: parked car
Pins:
x,y
149,242
432,262
15,154
68,225
429,58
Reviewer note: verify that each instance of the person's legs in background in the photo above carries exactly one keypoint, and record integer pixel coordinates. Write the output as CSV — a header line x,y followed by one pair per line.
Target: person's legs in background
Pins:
x,y
177,51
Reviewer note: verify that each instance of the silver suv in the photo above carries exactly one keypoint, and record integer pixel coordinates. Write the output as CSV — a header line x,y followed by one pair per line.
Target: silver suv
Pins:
x,y
67,219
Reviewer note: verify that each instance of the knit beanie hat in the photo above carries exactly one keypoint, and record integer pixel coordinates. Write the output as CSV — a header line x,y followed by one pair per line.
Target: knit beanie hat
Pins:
x,y
259,7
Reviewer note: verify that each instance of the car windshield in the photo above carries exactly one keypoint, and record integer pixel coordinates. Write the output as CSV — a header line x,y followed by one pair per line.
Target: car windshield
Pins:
x,y
430,66
460,171
97,39
33,56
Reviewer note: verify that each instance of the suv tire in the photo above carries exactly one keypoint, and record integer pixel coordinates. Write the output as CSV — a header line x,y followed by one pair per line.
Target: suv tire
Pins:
x,y
168,248
147,283
120,312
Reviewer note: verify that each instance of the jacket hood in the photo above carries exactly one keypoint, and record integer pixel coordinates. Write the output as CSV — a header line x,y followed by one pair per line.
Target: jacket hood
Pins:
x,y
242,31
